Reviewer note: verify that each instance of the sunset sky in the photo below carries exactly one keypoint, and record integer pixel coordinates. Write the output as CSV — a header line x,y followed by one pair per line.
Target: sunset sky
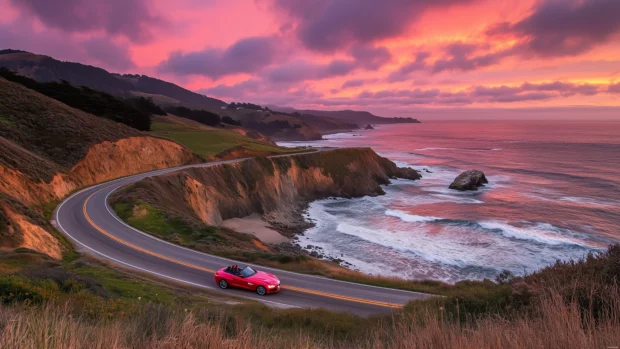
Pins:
x,y
392,57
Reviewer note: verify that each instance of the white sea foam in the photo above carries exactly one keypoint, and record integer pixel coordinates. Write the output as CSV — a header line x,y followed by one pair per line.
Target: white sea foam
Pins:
x,y
588,201
457,199
344,135
424,149
429,247
410,217
540,232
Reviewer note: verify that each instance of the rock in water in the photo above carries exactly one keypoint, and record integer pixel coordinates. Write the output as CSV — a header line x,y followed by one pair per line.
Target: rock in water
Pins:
x,y
369,127
408,173
469,180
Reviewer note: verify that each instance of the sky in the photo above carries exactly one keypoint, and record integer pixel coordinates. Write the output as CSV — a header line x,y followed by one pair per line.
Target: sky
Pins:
x,y
391,57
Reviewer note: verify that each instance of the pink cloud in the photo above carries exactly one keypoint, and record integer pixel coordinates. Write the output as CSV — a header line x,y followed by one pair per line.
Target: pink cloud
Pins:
x,y
133,19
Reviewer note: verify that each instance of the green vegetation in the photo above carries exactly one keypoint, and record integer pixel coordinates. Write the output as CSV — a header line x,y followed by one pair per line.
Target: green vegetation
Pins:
x,y
84,305
202,116
44,68
55,135
6,120
143,216
335,163
210,142
27,277
234,105
134,112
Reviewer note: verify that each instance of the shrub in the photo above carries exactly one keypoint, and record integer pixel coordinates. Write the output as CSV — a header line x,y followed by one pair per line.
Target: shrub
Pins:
x,y
134,112
230,121
202,116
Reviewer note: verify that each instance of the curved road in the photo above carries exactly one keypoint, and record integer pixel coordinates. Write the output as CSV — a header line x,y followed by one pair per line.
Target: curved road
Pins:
x,y
87,219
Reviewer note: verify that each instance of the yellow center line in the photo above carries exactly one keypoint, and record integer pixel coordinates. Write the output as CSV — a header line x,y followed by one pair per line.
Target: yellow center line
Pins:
x,y
173,260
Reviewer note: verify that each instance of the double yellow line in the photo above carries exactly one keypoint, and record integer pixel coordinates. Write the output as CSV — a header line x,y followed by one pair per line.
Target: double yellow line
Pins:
x,y
173,260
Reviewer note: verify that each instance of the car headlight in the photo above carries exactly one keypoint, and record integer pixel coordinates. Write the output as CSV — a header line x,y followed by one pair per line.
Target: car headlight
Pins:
x,y
271,286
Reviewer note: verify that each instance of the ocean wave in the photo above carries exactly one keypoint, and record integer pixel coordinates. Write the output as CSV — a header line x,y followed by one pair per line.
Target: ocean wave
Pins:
x,y
544,233
410,217
458,199
344,135
440,248
463,149
423,247
587,201
424,149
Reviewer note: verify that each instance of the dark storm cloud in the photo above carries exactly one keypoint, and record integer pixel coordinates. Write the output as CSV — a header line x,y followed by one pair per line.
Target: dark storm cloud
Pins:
x,y
370,57
99,51
362,57
462,56
554,28
329,25
558,28
478,94
130,18
263,92
416,65
108,53
353,83
528,91
248,55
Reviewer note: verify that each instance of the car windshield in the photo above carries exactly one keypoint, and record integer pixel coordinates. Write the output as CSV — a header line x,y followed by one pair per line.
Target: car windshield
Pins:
x,y
247,271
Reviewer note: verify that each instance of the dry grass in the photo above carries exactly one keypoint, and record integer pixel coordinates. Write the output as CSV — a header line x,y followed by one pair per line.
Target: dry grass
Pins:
x,y
556,324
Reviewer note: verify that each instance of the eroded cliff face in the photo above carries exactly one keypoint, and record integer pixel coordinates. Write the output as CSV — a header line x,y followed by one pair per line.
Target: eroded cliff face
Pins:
x,y
104,161
274,186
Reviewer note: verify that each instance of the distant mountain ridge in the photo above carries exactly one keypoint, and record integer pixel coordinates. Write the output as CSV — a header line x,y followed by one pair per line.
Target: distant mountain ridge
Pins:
x,y
44,68
278,123
352,116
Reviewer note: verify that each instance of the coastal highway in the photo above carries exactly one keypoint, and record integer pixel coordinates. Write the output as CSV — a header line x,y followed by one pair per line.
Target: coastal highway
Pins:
x,y
87,219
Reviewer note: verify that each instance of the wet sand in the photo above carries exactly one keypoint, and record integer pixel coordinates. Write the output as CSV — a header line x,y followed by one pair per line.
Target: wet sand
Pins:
x,y
254,225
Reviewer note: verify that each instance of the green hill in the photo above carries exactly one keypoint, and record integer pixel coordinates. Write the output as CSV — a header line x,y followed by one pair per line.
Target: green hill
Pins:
x,y
45,69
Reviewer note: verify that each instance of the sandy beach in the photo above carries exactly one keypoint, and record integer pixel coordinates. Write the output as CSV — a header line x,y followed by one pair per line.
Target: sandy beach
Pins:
x,y
254,225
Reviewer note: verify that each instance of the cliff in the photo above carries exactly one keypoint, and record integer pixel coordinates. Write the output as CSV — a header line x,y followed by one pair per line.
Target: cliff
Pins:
x,y
50,149
267,186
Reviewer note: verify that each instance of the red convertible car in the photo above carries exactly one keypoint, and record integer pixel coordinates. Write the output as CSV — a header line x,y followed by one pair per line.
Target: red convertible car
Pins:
x,y
248,278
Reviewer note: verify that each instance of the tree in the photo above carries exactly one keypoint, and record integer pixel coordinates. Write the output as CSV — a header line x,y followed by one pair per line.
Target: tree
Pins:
x,y
230,121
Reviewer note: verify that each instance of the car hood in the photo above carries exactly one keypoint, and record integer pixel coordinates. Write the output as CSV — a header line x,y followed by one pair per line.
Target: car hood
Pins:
x,y
264,277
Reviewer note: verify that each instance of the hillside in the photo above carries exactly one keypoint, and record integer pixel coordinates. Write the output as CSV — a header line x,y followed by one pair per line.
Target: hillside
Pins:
x,y
351,116
278,126
50,149
45,69
215,142
326,124
134,111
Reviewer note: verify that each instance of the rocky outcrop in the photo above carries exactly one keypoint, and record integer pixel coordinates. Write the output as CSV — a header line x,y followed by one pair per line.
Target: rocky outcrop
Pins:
x,y
469,180
407,173
369,127
267,186
104,161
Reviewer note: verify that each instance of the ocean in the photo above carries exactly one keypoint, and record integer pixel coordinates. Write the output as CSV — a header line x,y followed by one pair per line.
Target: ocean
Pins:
x,y
554,194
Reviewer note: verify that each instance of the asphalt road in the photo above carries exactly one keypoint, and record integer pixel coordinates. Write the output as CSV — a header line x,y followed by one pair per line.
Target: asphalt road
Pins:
x,y
87,219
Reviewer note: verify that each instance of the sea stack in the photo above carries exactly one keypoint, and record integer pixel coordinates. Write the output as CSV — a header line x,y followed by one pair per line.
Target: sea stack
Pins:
x,y
469,180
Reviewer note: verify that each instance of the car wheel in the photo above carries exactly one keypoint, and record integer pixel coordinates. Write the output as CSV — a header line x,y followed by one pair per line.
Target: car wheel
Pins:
x,y
223,283
261,290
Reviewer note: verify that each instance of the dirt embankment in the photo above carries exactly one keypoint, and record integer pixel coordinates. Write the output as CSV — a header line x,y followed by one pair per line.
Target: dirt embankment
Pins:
x,y
50,149
276,188
103,162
